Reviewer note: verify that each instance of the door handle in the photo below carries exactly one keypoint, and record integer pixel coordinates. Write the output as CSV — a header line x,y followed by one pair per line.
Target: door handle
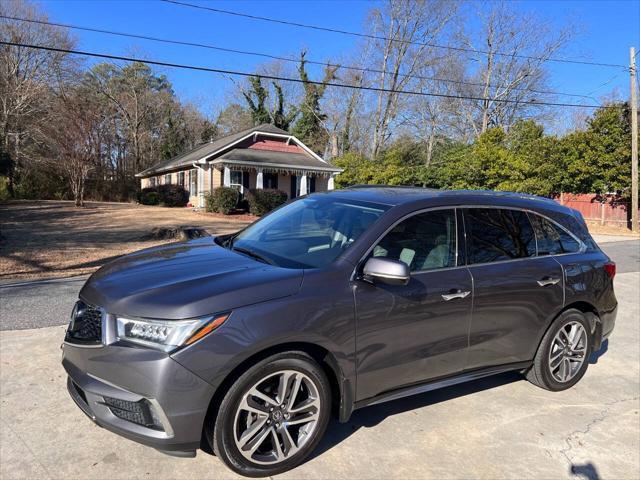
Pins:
x,y
548,281
458,294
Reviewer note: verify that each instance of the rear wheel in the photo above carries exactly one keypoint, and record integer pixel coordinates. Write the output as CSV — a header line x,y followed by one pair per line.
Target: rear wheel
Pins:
x,y
562,357
273,416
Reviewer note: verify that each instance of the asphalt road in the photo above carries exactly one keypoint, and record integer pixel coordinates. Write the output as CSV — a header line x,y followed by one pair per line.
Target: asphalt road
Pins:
x,y
48,303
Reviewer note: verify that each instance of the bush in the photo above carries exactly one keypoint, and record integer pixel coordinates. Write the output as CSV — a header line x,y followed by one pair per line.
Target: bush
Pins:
x,y
263,201
166,195
173,195
222,200
149,196
4,189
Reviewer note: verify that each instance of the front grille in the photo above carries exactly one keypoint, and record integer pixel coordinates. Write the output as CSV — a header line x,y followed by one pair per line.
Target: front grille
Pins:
x,y
137,412
86,324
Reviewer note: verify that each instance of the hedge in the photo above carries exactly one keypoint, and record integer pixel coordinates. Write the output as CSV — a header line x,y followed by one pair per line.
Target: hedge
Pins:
x,y
222,200
263,201
166,195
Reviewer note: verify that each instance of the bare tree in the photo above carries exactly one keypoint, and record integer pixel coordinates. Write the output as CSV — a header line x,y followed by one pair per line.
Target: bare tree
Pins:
x,y
140,97
433,119
26,78
74,128
512,65
407,31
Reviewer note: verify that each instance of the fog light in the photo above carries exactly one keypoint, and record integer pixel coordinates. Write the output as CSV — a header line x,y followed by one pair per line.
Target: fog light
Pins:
x,y
140,412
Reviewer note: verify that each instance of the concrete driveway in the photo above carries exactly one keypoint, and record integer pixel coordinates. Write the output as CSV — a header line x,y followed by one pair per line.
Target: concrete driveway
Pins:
x,y
501,427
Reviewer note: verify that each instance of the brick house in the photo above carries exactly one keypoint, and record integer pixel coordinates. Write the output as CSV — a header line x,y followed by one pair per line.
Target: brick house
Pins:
x,y
259,157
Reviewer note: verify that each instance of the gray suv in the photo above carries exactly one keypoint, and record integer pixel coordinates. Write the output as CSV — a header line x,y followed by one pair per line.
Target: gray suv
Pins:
x,y
333,302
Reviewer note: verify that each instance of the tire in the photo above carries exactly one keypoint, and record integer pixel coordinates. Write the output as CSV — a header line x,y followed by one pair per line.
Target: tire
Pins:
x,y
556,368
245,416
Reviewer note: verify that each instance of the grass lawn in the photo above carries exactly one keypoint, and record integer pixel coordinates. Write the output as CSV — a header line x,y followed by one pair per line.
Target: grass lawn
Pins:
x,y
47,239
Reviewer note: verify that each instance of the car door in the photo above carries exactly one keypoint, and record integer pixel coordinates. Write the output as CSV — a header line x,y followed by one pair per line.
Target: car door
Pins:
x,y
516,291
411,333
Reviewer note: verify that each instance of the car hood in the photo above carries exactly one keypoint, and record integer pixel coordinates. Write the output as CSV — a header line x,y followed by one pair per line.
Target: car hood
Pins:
x,y
186,280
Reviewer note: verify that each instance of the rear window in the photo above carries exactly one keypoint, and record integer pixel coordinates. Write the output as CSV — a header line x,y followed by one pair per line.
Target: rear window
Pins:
x,y
496,234
552,239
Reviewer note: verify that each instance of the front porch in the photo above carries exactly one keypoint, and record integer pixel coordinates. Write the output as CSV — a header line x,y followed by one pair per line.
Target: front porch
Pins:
x,y
263,157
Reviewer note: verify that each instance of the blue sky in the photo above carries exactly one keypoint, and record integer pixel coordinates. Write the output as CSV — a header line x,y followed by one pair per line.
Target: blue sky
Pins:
x,y
607,30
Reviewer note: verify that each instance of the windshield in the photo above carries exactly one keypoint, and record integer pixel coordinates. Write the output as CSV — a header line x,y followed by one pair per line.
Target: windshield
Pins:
x,y
308,233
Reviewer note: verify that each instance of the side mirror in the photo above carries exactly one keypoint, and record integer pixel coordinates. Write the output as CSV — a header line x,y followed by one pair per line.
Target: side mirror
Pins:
x,y
385,270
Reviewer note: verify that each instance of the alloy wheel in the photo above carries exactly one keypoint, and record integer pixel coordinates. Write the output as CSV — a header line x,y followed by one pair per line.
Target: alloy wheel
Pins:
x,y
568,352
276,417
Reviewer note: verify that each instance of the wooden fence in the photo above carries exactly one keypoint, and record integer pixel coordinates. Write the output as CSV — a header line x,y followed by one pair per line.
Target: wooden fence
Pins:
x,y
604,209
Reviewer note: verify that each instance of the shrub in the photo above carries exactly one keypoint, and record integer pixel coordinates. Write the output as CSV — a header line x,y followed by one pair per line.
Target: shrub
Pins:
x,y
222,200
263,201
4,189
166,195
149,196
173,195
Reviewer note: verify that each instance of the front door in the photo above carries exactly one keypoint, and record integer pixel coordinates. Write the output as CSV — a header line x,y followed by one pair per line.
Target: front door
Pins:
x,y
417,332
516,291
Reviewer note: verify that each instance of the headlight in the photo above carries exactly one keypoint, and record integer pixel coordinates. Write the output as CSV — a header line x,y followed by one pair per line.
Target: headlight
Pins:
x,y
166,335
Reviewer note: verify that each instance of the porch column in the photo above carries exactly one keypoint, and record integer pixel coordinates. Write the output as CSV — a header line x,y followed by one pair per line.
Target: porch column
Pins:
x,y
200,179
303,185
330,185
226,178
259,183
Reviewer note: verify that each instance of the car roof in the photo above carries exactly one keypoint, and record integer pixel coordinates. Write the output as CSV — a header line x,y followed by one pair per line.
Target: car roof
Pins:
x,y
398,195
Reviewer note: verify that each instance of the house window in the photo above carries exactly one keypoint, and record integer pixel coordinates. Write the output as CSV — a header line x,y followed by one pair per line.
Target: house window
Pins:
x,y
270,180
236,180
181,179
152,181
193,182
167,179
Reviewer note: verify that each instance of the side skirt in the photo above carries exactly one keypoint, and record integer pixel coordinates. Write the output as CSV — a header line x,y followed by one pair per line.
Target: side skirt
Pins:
x,y
442,383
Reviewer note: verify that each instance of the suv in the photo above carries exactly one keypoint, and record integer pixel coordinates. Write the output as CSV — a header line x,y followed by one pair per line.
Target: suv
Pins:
x,y
333,302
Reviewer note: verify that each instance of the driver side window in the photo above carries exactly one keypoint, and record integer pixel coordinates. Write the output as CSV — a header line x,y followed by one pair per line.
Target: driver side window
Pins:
x,y
425,241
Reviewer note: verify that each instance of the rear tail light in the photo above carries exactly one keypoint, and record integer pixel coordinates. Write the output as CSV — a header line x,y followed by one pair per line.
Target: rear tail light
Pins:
x,y
610,268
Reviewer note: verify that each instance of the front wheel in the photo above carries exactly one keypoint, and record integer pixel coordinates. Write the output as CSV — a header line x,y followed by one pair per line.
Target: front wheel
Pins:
x,y
273,416
563,355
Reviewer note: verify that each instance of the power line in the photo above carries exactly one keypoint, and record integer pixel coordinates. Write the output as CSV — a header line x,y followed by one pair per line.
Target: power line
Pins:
x,y
288,79
276,57
376,37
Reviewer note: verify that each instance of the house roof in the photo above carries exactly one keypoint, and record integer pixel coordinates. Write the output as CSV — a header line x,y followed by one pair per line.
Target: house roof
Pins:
x,y
219,151
274,160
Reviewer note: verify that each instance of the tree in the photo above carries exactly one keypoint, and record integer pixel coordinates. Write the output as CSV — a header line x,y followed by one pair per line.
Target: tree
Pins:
x,y
511,66
27,77
140,99
598,159
257,101
310,127
6,162
279,117
233,118
405,34
75,133
174,138
209,131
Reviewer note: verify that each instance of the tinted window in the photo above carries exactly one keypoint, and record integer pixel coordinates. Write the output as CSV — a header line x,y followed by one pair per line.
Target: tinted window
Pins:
x,y
553,240
424,241
496,234
308,233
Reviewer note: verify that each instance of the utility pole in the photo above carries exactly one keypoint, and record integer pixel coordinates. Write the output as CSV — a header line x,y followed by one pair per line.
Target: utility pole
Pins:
x,y
634,142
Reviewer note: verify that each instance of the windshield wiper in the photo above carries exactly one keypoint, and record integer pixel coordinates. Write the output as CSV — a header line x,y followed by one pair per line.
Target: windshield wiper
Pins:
x,y
252,254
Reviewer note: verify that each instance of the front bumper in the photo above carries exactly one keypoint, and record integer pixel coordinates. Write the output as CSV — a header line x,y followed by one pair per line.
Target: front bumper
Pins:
x,y
179,399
